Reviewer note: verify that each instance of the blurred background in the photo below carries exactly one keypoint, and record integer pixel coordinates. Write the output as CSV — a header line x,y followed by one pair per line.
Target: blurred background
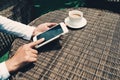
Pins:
x,y
44,6
27,10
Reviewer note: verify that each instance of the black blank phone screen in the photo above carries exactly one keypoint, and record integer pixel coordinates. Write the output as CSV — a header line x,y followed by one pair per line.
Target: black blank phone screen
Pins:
x,y
51,33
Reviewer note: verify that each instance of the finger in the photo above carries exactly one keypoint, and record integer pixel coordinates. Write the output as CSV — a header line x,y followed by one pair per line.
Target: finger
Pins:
x,y
33,55
34,51
51,24
33,44
33,59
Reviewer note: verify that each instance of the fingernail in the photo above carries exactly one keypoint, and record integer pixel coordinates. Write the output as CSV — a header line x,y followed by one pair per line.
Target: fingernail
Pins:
x,y
43,38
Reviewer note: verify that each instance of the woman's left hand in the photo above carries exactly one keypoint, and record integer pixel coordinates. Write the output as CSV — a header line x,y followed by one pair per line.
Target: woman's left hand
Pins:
x,y
43,27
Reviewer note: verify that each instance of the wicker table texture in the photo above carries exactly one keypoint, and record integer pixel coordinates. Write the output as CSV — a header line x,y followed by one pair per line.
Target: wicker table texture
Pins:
x,y
90,53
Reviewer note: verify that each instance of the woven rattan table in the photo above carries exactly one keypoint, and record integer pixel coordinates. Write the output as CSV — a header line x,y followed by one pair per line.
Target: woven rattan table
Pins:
x,y
90,53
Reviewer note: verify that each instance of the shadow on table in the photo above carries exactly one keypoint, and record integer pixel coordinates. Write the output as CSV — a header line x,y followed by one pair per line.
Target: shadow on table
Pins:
x,y
54,45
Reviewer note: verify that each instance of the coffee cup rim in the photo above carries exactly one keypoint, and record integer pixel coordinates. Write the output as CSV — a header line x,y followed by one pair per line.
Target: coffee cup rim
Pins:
x,y
75,11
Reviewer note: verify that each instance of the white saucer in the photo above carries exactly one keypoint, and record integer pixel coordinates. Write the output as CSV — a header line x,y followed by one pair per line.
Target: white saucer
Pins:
x,y
81,24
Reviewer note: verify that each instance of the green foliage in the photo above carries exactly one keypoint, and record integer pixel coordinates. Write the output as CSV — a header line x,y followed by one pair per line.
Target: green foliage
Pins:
x,y
4,57
44,6
75,3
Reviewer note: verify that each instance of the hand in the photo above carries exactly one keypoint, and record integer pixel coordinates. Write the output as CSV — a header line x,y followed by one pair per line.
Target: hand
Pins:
x,y
24,54
43,27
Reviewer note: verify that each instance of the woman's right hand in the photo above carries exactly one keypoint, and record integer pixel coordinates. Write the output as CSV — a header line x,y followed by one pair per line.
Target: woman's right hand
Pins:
x,y
24,54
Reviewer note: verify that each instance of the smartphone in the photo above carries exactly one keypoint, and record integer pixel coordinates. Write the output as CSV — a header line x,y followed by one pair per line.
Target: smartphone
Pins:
x,y
51,34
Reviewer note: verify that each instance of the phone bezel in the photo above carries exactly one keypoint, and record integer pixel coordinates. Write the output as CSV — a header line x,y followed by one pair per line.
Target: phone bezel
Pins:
x,y
64,28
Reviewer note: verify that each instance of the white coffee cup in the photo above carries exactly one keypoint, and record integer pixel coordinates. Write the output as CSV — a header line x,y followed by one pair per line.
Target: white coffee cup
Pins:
x,y
75,16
